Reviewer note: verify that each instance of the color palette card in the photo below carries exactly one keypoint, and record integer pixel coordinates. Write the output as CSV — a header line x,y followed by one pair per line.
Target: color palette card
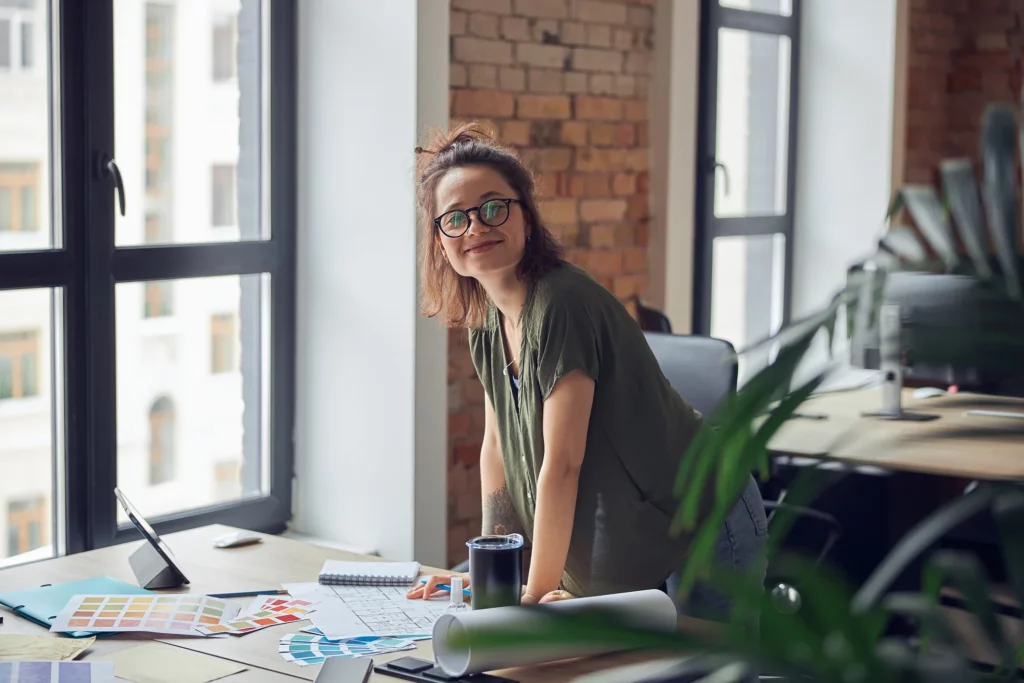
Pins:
x,y
281,612
56,672
305,649
313,630
173,614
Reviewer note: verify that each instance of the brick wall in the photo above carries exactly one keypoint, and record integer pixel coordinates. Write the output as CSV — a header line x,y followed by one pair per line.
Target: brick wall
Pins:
x,y
565,82
963,54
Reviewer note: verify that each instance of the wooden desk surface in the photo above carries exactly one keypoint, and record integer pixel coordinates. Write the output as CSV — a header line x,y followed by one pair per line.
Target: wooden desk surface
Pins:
x,y
956,444
262,566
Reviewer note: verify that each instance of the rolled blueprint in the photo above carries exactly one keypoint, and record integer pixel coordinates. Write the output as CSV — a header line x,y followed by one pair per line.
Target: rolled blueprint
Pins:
x,y
652,609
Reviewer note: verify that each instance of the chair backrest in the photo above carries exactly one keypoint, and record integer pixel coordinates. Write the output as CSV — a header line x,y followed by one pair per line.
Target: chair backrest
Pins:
x,y
702,369
651,319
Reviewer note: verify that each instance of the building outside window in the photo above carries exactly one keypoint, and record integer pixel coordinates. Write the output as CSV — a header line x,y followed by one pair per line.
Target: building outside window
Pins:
x,y
17,27
26,527
225,45
161,441
19,191
19,364
224,197
222,343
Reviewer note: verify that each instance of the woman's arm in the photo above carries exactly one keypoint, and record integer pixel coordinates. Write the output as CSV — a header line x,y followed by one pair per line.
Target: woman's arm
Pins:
x,y
499,517
566,417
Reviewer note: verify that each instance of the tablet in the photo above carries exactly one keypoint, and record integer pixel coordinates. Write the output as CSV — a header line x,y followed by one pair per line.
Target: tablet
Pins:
x,y
149,533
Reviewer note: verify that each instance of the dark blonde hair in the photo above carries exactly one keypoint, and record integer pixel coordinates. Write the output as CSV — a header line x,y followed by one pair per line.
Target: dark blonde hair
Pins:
x,y
461,301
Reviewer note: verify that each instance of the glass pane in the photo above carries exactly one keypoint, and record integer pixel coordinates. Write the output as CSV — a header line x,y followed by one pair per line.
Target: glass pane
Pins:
x,y
752,142
191,389
26,423
747,290
24,126
186,110
781,7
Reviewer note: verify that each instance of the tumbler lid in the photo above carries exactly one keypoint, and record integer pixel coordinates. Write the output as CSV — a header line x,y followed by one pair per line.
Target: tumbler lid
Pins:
x,y
496,542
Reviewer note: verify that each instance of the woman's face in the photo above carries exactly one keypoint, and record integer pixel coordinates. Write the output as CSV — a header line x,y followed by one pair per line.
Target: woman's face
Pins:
x,y
480,250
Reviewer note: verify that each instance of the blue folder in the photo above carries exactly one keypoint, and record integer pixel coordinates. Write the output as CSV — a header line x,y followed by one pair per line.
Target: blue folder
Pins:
x,y
42,604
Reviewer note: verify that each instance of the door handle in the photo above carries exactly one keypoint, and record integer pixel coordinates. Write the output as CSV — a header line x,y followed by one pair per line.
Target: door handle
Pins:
x,y
106,166
715,165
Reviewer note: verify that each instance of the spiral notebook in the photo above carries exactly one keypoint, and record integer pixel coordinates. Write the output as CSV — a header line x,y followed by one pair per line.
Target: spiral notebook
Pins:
x,y
339,572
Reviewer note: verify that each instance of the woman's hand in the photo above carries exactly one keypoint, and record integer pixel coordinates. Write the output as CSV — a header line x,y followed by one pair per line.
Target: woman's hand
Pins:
x,y
429,589
553,596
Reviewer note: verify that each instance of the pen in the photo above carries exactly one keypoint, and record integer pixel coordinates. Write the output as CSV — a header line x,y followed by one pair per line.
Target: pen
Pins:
x,y
446,587
246,594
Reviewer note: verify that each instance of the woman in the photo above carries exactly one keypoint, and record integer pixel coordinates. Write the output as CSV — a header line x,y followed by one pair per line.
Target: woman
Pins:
x,y
583,434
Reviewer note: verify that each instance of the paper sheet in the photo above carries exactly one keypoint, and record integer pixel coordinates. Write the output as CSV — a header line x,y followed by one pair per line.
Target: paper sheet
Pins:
x,y
650,609
352,611
276,611
180,614
57,672
160,663
42,648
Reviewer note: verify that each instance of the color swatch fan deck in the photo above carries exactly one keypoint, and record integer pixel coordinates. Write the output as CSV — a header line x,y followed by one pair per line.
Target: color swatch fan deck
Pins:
x,y
275,611
171,614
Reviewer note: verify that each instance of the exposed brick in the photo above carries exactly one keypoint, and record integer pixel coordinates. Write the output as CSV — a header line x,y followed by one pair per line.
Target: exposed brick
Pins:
x,y
454,398
483,25
598,108
599,35
545,31
560,211
568,235
457,77
622,39
635,259
457,23
467,505
625,86
545,133
575,82
542,9
641,17
625,286
643,84
546,80
591,59
549,159
992,41
643,181
492,6
641,234
602,84
483,76
574,133
602,134
472,393
458,425
481,51
515,28
543,106
637,63
603,209
601,236
595,184
637,207
544,56
600,12
512,79
588,159
624,184
574,33
467,453
634,110
483,103
604,262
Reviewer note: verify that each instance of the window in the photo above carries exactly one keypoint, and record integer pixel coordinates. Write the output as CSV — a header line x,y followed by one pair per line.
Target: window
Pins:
x,y
226,477
16,26
225,35
26,525
223,196
161,441
19,188
747,145
222,343
120,400
19,352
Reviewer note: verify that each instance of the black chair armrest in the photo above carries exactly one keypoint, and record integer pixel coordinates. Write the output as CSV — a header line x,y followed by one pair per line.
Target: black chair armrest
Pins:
x,y
834,530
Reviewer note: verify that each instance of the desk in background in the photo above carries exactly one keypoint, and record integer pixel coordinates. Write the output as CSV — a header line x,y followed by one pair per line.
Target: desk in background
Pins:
x,y
255,567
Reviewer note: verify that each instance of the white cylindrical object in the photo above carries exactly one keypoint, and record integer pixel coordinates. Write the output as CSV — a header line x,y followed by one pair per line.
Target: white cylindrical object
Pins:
x,y
652,609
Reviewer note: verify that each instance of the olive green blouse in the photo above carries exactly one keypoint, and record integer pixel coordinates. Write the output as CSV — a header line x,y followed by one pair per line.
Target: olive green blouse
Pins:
x,y
639,430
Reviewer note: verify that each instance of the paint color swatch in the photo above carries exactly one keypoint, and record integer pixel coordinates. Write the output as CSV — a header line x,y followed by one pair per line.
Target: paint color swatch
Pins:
x,y
280,612
56,672
305,650
313,630
179,614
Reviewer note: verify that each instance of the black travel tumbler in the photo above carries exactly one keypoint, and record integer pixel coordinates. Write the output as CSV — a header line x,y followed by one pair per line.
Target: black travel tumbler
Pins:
x,y
495,570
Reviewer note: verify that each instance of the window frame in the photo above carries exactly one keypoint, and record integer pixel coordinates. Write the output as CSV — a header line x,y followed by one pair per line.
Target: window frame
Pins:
x,y
84,266
707,226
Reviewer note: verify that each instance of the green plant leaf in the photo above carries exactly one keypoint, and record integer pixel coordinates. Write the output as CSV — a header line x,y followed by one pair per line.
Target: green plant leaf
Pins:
x,y
903,243
931,220
998,142
926,613
961,190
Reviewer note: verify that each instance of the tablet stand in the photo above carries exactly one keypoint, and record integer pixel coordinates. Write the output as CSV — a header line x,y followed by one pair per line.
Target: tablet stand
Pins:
x,y
152,570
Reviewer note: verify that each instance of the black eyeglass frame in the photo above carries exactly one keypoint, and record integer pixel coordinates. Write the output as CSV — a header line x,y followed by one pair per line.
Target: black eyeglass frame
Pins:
x,y
504,200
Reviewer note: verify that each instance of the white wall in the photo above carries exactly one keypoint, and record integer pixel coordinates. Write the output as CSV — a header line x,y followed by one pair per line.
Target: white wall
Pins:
x,y
371,392
844,148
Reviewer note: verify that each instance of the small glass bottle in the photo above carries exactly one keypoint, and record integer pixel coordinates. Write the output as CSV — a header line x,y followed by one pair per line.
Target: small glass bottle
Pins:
x,y
456,604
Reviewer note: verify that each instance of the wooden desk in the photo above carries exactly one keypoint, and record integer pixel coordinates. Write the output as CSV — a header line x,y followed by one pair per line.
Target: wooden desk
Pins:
x,y
255,567
955,445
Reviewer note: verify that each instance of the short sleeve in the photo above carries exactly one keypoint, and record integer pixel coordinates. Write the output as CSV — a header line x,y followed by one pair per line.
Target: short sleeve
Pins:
x,y
567,341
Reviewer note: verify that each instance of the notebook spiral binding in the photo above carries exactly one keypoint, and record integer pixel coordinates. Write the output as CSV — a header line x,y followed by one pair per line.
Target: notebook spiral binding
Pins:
x,y
363,580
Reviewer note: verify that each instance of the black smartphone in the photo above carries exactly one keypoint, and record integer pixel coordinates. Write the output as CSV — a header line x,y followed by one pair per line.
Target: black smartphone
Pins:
x,y
424,671
345,670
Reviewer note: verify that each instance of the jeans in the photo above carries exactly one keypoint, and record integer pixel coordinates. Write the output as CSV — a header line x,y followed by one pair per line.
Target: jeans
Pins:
x,y
739,547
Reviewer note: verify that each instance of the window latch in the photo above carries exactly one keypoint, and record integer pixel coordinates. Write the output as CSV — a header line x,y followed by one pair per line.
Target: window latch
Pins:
x,y
107,167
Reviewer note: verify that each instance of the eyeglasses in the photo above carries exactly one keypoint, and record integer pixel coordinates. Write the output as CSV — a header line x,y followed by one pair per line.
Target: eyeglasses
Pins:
x,y
492,213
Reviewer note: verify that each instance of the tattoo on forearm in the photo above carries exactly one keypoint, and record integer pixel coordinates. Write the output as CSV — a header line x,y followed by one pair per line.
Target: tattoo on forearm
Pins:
x,y
499,515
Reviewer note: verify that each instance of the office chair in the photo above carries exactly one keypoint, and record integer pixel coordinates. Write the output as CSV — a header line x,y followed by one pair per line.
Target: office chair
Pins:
x,y
704,371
